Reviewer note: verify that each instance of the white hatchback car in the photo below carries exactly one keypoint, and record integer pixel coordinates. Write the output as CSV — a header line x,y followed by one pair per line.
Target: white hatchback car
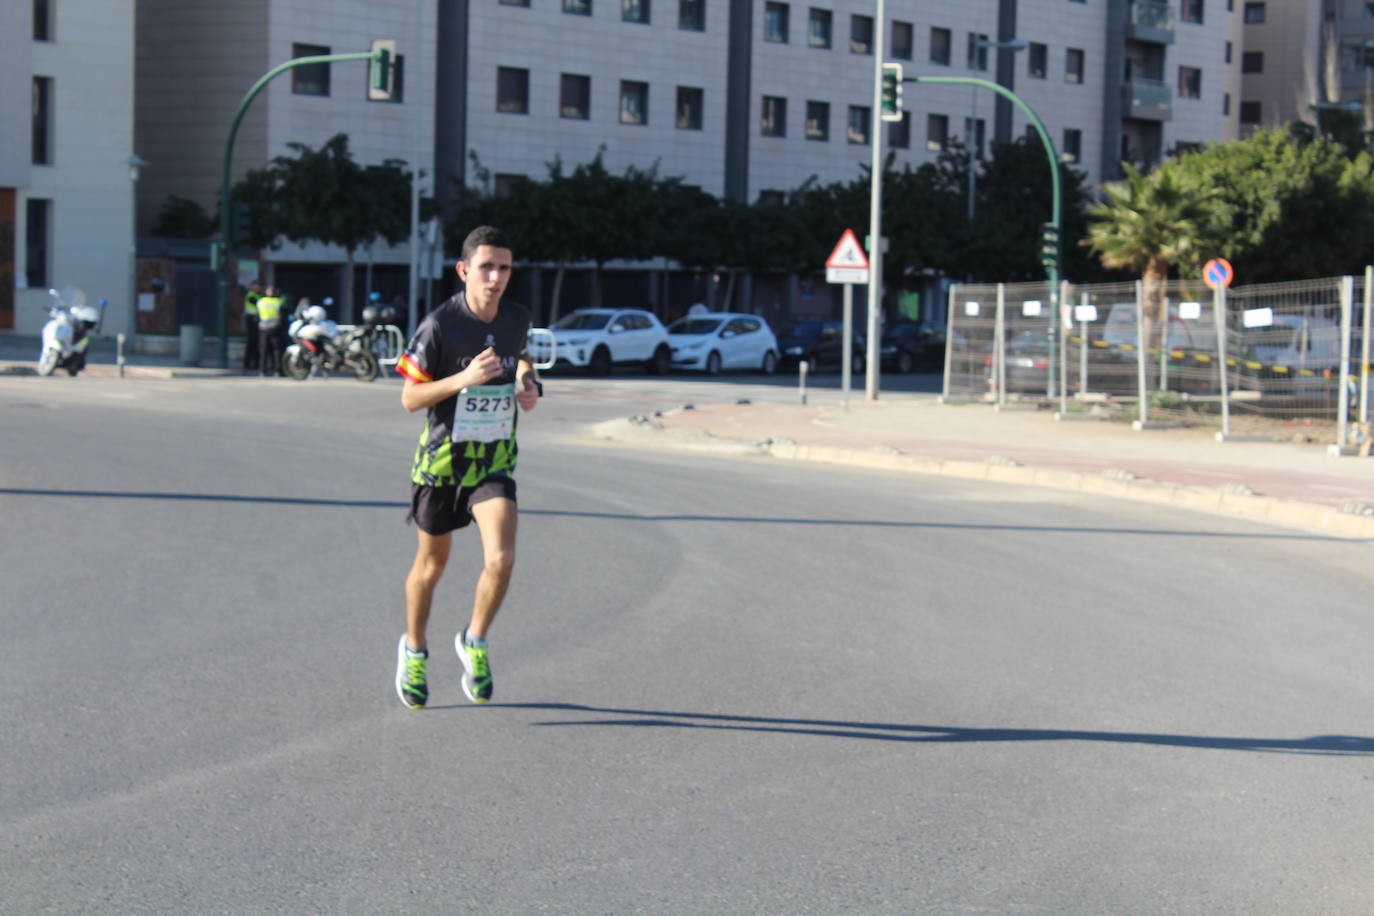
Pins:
x,y
598,339
712,341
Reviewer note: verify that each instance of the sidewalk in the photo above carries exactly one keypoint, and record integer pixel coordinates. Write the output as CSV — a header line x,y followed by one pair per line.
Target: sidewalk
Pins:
x,y
1289,483
19,354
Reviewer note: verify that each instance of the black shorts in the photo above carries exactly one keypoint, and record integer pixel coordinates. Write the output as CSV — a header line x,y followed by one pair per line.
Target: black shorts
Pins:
x,y
439,510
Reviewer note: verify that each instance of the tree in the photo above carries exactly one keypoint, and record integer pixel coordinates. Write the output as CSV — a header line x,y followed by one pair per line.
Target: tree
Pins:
x,y
327,197
256,218
1278,194
1148,223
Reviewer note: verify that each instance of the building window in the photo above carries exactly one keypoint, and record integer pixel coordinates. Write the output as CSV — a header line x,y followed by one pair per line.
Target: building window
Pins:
x,y
1252,62
689,104
819,28
1189,83
977,51
1073,145
975,134
37,232
1226,103
774,122
818,121
691,15
1250,112
524,3
575,97
512,90
1073,65
1038,60
634,11
42,120
1228,52
42,20
309,79
1191,11
941,42
899,132
775,22
577,7
937,132
859,116
1254,13
634,102
861,34
903,42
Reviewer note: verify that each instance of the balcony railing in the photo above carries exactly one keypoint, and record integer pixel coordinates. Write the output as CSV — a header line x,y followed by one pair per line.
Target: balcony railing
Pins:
x,y
1150,20
1149,100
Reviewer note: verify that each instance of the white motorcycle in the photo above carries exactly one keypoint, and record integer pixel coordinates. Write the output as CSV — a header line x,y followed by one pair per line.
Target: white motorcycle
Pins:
x,y
318,348
68,331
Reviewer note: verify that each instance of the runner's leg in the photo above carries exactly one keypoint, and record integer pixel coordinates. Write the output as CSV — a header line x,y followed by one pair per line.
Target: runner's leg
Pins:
x,y
496,522
431,555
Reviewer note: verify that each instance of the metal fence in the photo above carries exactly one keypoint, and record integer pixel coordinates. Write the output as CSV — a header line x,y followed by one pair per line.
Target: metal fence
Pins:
x,y
1281,351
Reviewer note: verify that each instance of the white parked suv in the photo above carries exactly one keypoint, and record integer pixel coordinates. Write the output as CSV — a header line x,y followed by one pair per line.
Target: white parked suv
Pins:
x,y
598,339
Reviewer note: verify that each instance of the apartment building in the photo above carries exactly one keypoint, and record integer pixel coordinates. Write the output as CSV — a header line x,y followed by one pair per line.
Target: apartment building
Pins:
x,y
66,182
742,98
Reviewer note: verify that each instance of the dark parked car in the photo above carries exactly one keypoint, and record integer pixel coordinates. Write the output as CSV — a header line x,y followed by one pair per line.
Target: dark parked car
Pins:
x,y
819,343
911,345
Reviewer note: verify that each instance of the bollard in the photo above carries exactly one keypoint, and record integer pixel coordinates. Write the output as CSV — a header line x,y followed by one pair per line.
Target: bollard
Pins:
x,y
119,353
801,378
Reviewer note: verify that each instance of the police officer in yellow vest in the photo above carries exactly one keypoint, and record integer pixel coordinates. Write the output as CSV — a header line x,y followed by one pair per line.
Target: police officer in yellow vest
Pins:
x,y
251,358
269,331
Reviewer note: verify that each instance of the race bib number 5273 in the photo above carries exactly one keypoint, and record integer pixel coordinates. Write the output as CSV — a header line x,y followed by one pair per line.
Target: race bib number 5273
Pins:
x,y
486,413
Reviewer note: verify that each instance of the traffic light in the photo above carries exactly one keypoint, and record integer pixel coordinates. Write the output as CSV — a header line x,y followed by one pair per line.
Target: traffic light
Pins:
x,y
380,85
1049,247
892,92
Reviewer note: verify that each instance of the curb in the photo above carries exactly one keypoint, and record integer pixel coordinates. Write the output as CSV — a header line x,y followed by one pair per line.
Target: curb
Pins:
x,y
1228,500
106,370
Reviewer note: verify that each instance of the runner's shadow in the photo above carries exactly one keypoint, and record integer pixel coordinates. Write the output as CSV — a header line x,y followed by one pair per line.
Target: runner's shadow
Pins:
x,y
1319,745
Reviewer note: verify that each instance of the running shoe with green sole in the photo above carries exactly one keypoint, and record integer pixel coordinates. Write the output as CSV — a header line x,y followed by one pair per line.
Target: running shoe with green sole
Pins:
x,y
476,671
411,685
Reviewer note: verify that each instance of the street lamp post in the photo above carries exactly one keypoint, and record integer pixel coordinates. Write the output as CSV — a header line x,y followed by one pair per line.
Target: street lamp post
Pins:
x,y
981,44
135,164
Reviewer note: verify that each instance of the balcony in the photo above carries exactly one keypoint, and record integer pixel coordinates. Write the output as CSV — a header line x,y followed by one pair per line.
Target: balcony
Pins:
x,y
1150,20
1147,100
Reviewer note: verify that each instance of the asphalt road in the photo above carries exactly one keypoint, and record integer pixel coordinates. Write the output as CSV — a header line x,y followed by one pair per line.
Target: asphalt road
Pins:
x,y
723,685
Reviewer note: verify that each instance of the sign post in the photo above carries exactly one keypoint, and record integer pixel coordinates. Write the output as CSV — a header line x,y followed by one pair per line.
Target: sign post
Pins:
x,y
1217,274
847,265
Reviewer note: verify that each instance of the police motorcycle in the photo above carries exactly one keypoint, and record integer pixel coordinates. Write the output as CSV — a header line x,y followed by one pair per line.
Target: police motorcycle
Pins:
x,y
68,331
318,348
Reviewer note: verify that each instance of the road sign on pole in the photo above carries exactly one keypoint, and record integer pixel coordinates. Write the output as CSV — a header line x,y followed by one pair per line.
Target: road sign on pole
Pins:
x,y
1217,273
847,263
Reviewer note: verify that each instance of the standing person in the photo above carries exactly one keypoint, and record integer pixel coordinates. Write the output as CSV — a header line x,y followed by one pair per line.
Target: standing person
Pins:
x,y
250,326
269,332
467,366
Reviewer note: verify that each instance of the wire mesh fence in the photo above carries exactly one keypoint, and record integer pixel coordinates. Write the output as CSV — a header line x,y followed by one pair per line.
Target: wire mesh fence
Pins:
x,y
1178,350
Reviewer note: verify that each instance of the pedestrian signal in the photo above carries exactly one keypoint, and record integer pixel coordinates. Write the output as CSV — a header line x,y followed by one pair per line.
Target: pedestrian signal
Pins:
x,y
892,92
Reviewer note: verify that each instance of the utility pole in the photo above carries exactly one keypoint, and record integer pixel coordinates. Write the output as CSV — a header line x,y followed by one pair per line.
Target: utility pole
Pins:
x,y
875,211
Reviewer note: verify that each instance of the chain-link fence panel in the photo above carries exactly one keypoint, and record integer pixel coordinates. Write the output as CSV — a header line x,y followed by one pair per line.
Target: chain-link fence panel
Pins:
x,y
970,341
1287,344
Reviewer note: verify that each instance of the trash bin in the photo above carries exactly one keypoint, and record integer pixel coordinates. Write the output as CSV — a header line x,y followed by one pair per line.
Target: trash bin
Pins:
x,y
192,340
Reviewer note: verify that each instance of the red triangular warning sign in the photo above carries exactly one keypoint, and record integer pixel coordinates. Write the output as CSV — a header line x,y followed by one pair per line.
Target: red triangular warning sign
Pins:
x,y
848,253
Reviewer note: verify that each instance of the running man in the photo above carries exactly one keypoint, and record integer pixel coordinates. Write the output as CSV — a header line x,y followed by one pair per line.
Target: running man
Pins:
x,y
467,366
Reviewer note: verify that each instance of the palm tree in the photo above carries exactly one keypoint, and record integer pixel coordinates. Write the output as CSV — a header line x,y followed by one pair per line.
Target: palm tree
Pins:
x,y
1148,223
